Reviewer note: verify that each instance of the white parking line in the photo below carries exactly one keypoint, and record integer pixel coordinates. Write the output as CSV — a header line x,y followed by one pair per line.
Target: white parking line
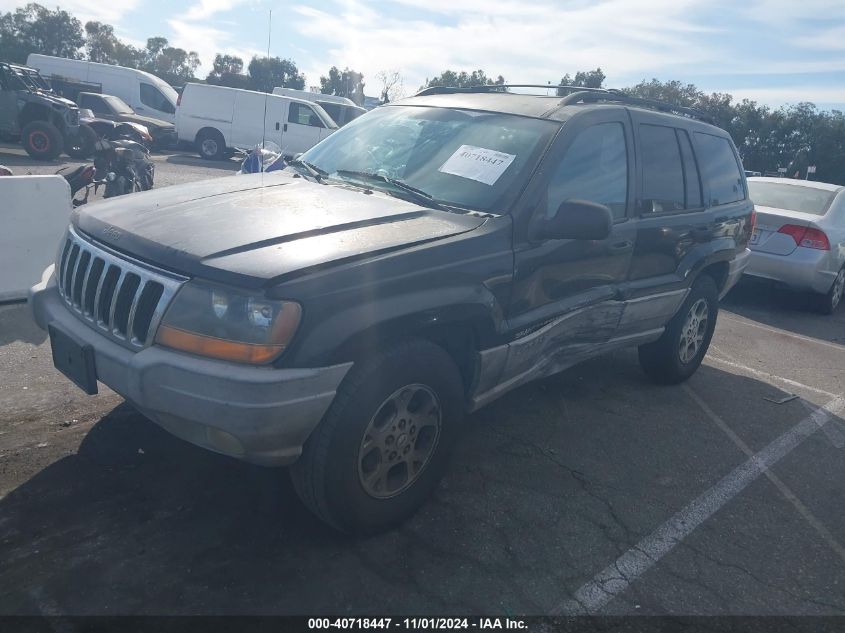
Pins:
x,y
790,496
618,576
764,374
730,316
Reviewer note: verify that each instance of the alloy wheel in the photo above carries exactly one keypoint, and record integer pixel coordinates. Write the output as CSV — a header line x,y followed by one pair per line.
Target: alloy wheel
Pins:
x,y
693,331
399,441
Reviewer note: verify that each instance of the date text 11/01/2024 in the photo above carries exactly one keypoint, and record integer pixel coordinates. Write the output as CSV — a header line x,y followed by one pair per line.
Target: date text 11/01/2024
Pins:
x,y
432,623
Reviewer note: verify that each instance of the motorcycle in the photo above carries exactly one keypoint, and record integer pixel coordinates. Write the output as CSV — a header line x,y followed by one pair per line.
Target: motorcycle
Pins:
x,y
120,166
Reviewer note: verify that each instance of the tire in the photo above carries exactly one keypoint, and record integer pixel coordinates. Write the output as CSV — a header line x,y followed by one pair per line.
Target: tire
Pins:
x,y
828,302
341,481
666,360
81,144
42,140
211,145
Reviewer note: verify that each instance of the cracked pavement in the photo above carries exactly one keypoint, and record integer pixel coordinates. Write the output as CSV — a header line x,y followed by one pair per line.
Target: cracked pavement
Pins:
x,y
101,512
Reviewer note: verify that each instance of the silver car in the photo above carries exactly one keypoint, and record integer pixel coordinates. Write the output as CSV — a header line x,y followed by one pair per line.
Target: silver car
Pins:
x,y
799,237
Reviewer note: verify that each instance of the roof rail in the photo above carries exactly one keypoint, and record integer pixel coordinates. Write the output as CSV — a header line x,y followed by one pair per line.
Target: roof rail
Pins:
x,y
442,90
617,96
579,94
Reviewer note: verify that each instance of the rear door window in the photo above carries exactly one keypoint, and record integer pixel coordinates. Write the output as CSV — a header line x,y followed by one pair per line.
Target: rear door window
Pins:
x,y
303,115
720,169
594,168
662,170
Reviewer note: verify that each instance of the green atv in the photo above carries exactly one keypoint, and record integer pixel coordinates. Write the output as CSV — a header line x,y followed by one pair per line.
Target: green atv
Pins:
x,y
45,123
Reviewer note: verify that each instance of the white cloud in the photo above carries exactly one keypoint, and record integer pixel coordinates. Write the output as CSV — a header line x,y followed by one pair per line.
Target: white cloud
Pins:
x,y
527,42
791,95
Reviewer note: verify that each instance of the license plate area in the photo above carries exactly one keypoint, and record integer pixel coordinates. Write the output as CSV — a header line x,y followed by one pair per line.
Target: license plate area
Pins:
x,y
755,237
74,359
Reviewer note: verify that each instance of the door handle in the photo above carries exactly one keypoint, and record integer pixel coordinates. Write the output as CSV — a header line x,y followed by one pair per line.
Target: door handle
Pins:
x,y
277,126
621,245
285,129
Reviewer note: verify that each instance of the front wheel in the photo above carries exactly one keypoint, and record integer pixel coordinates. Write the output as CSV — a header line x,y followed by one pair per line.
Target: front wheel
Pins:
x,y
676,355
383,445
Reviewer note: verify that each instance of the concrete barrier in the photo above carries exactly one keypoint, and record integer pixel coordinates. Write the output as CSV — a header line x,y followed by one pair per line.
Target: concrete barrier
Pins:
x,y
34,213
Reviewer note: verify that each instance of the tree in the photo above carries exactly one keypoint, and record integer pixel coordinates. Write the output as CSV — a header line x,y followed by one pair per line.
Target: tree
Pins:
x,y
589,79
463,79
35,29
227,70
173,65
266,73
392,85
349,84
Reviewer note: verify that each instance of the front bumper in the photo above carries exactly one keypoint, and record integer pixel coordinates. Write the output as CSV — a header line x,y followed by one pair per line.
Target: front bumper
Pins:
x,y
261,415
738,265
803,269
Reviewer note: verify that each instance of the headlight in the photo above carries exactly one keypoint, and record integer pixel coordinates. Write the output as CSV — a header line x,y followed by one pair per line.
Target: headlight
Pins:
x,y
229,324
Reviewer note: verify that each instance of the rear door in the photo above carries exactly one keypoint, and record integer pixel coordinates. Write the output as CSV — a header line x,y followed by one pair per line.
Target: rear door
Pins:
x,y
670,207
303,129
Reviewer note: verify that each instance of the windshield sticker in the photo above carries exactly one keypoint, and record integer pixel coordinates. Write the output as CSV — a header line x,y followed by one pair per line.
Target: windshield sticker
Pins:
x,y
477,163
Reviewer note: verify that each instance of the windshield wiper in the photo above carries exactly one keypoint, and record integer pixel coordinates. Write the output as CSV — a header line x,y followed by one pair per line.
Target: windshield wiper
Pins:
x,y
418,194
315,172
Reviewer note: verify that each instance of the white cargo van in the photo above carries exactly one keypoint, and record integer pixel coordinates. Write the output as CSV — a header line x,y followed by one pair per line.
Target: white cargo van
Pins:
x,y
218,119
340,109
147,94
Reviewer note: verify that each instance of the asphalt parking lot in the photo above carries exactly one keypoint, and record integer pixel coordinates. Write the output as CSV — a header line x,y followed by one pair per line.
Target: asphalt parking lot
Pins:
x,y
593,491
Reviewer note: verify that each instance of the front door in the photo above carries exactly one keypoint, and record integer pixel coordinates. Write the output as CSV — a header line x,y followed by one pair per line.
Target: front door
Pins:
x,y
565,291
303,129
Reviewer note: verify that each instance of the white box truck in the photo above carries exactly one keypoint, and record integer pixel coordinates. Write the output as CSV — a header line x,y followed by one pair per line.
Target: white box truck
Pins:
x,y
341,109
145,93
218,119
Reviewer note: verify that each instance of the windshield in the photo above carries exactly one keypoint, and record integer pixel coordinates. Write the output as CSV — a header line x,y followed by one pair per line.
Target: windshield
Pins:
x,y
473,160
118,105
790,197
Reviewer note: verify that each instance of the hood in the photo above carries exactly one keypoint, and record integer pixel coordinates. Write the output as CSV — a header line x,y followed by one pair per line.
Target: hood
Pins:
x,y
56,99
248,230
150,122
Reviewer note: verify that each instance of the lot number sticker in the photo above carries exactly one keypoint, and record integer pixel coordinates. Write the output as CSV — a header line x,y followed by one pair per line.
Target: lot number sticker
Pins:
x,y
477,163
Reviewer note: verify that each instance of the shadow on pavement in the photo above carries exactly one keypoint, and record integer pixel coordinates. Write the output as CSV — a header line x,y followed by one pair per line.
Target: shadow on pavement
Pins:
x,y
140,522
16,324
195,161
785,309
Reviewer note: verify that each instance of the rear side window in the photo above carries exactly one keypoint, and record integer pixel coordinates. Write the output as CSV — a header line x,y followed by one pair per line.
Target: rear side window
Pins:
x,y
595,168
303,115
720,169
663,175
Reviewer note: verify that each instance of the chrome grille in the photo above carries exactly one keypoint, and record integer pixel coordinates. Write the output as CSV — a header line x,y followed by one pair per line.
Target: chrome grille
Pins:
x,y
123,299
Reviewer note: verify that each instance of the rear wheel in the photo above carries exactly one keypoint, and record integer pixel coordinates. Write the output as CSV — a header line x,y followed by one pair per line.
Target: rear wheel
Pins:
x,y
211,145
383,445
676,355
827,303
81,144
42,140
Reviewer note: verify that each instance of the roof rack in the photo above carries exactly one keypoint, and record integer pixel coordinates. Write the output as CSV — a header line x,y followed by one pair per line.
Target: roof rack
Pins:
x,y
580,94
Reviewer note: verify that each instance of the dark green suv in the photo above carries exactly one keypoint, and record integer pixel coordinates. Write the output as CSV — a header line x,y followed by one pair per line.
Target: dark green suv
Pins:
x,y
45,123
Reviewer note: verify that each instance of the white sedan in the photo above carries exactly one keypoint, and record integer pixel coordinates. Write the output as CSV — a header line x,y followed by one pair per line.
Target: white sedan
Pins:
x,y
799,237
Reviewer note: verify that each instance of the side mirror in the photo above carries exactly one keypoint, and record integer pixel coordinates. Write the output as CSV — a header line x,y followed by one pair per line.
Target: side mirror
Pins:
x,y
575,220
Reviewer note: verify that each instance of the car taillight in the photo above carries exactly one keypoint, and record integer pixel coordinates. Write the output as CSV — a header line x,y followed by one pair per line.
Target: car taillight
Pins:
x,y
753,221
806,236
179,100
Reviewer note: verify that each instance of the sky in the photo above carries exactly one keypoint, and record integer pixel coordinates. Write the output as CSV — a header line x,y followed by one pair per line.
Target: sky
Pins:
x,y
773,51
